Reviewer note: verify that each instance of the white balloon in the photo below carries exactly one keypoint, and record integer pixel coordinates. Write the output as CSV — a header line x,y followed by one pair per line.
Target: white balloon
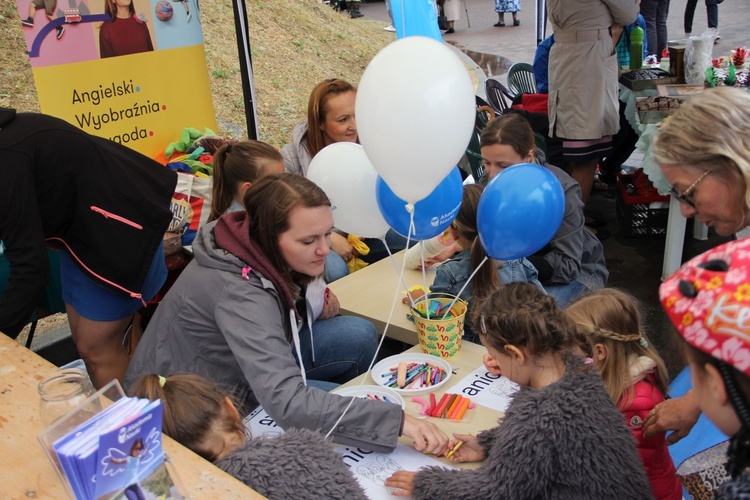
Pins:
x,y
346,175
415,112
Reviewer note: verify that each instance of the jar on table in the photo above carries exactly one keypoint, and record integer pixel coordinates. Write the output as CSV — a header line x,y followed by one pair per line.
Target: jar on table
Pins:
x,y
61,392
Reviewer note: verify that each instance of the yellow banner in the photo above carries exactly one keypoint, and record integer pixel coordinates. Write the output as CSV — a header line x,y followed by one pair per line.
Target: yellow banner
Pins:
x,y
144,109
133,71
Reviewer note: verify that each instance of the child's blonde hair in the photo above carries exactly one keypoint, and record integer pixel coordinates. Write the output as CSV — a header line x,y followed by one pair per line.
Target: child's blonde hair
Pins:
x,y
612,318
194,409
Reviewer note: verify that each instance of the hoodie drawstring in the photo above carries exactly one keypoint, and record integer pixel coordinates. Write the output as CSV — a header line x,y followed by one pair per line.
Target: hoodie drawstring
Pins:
x,y
295,338
309,326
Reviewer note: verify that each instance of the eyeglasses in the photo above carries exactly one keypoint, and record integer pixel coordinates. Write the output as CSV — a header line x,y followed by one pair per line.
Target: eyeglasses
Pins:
x,y
685,196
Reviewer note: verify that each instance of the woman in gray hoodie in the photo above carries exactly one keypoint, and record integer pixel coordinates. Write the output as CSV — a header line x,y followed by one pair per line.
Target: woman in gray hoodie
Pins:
x,y
236,316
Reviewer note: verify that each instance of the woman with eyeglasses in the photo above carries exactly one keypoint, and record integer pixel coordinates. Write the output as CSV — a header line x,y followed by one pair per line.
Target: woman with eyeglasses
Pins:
x,y
703,152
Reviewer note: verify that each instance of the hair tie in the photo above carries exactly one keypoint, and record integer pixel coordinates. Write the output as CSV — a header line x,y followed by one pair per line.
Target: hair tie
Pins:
x,y
162,381
643,342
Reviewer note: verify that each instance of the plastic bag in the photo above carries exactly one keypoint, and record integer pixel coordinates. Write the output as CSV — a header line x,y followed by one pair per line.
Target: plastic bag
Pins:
x,y
698,56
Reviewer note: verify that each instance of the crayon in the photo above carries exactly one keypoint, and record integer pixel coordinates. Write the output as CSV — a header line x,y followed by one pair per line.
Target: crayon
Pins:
x,y
455,407
440,406
401,374
453,413
449,407
454,450
462,409
414,375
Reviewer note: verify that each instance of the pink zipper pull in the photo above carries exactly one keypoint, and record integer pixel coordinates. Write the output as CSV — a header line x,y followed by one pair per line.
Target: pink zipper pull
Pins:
x,y
139,296
246,273
110,215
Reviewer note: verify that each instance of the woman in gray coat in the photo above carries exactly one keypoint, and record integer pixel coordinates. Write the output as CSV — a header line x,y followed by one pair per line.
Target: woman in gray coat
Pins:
x,y
235,316
583,102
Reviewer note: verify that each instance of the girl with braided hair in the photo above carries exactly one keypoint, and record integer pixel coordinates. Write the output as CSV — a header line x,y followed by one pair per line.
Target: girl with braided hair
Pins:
x,y
634,374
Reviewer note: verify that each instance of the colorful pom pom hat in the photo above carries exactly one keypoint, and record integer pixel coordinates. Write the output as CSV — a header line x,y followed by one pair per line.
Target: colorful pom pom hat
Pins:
x,y
708,302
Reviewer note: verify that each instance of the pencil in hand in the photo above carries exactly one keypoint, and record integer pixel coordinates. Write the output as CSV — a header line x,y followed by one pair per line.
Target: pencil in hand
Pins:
x,y
454,450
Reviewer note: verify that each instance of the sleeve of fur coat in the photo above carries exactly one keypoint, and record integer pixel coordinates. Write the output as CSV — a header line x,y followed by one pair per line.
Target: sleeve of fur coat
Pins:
x,y
514,452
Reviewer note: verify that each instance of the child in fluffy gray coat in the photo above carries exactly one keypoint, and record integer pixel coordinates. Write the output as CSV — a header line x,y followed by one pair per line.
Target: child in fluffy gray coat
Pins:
x,y
562,436
298,464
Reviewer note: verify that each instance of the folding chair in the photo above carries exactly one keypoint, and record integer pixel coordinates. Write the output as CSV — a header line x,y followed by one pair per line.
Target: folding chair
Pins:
x,y
497,95
485,113
521,79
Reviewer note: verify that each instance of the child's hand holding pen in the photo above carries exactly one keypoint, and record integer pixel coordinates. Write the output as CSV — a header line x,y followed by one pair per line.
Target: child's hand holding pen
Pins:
x,y
465,448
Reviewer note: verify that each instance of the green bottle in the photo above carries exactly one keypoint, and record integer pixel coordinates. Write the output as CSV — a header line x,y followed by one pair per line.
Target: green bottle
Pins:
x,y
636,48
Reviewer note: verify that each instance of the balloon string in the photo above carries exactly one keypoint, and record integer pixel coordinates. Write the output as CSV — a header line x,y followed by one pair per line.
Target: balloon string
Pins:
x,y
424,279
395,266
463,287
403,20
412,227
385,331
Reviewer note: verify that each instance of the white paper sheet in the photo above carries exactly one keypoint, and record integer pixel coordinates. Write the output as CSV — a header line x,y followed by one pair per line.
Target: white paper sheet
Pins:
x,y
315,296
369,468
492,391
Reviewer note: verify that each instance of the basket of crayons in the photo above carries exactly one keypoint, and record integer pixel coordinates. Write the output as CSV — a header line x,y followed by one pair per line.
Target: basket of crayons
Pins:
x,y
411,373
440,324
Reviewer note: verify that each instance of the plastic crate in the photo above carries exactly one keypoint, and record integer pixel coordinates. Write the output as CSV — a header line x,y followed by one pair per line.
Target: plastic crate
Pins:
x,y
634,211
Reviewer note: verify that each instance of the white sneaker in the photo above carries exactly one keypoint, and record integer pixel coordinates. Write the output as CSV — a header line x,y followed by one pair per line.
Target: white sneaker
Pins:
x,y
390,28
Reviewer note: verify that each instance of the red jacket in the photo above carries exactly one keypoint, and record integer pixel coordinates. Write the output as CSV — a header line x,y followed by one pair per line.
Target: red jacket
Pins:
x,y
654,453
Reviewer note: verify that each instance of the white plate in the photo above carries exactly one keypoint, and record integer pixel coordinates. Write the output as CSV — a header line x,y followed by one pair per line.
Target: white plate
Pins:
x,y
375,390
385,366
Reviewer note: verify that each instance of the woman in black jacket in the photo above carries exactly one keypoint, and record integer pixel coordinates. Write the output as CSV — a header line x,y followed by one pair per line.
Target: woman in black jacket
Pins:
x,y
105,206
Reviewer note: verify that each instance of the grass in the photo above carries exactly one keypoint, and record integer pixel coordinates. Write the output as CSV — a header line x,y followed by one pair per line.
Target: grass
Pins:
x,y
294,45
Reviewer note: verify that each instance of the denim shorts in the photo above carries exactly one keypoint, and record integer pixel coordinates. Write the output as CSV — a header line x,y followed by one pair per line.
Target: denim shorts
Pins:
x,y
97,303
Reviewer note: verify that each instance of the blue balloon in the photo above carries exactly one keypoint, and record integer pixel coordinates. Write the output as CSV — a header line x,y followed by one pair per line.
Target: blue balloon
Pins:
x,y
415,17
520,211
432,215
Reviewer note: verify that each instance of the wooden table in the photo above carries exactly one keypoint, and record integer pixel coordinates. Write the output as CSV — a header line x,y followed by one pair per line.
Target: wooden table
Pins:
x,y
369,293
478,419
25,471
